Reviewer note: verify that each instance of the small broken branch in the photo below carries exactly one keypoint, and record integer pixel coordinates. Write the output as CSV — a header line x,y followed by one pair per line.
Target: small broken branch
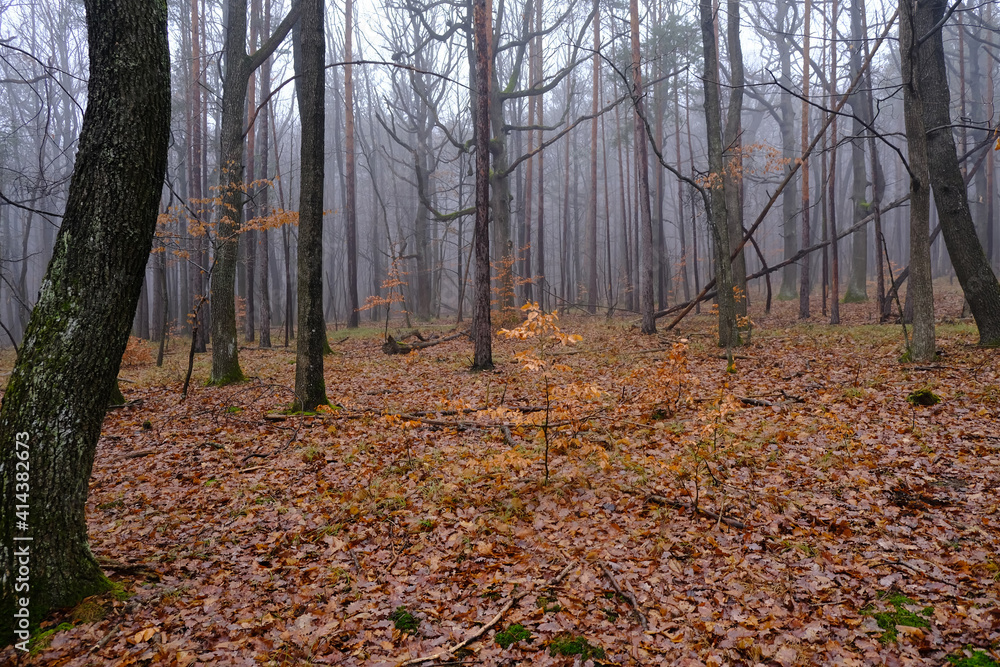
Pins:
x,y
484,629
666,502
628,597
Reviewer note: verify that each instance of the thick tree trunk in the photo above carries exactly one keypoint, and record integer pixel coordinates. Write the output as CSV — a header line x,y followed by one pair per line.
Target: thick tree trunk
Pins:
x,y
967,256
482,330
728,333
309,52
920,289
55,401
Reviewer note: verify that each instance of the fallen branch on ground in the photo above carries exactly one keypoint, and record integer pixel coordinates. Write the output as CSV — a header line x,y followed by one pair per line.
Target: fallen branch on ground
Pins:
x,y
393,346
484,629
666,502
628,597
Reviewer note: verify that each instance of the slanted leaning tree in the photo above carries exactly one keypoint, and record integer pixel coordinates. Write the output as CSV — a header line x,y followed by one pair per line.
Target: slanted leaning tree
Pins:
x,y
979,283
60,385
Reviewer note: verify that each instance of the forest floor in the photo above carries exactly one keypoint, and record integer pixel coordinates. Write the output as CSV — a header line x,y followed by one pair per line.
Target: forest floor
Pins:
x,y
796,510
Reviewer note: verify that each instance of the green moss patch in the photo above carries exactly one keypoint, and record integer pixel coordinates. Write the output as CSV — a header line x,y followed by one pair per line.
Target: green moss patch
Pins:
x,y
899,615
972,657
512,635
404,621
567,644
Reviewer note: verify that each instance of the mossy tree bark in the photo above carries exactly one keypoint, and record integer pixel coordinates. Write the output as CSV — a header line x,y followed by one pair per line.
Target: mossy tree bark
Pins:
x,y
309,51
978,281
61,382
238,66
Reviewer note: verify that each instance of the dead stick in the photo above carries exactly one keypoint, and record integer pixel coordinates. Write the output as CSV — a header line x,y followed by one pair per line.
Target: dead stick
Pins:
x,y
484,629
104,640
660,500
628,597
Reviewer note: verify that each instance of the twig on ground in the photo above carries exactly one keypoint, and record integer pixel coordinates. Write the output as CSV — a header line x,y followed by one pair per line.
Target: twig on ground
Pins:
x,y
666,502
140,454
484,629
919,571
628,597
105,639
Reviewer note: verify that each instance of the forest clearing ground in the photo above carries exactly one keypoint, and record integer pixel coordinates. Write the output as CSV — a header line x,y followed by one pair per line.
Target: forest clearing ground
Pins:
x,y
373,535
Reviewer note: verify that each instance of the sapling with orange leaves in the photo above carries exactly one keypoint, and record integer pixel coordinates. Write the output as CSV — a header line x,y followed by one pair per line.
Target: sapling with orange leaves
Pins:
x,y
541,327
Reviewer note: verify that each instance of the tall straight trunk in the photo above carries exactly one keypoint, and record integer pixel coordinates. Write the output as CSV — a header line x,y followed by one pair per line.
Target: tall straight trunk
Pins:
x,y
832,183
642,174
694,208
310,88
967,256
857,283
733,144
789,196
626,255
58,391
263,209
529,171
804,277
591,230
250,235
238,66
681,223
661,260
920,289
565,282
481,328
350,204
728,332
540,254
609,274
197,269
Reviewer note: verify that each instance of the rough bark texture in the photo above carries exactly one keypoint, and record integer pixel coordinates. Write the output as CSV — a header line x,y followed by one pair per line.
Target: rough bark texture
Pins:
x,y
68,362
733,143
728,334
978,281
482,330
920,289
642,172
309,52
